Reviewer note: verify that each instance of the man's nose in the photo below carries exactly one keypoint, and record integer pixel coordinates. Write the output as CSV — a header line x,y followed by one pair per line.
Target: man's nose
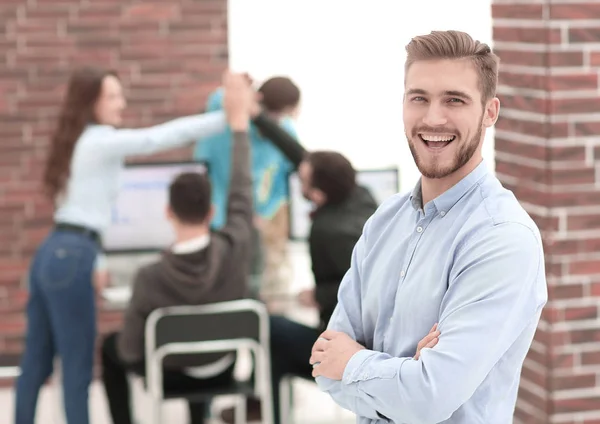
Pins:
x,y
435,116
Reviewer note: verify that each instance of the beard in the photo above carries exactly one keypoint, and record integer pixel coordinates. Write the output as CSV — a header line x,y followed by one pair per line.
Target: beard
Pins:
x,y
434,169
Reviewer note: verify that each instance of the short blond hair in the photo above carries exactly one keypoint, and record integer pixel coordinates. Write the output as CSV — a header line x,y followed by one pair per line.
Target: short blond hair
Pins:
x,y
457,45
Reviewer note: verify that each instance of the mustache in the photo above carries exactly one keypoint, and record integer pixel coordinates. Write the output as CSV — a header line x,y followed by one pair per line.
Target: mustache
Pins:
x,y
436,130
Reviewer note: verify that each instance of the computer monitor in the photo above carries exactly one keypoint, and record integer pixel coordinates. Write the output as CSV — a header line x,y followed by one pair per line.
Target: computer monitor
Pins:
x,y
139,223
382,183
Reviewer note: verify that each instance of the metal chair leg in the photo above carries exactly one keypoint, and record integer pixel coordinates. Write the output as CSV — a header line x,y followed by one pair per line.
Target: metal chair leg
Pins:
x,y
240,410
285,399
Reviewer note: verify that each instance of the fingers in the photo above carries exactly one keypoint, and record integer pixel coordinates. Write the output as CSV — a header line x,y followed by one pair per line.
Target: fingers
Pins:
x,y
428,338
315,371
228,78
429,345
432,343
319,345
330,334
316,358
429,341
248,78
232,80
238,100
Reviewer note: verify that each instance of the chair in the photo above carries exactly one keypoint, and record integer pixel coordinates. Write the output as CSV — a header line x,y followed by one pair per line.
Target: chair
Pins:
x,y
285,398
199,330
9,372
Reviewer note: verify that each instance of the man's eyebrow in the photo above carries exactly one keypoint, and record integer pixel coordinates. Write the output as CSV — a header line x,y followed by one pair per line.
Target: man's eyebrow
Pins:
x,y
456,93
452,93
415,91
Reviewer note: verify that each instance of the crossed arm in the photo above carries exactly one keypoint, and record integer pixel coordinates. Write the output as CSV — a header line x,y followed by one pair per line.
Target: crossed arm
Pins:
x,y
493,297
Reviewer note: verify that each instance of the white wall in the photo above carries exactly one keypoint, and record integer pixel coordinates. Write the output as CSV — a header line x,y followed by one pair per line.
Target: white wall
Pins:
x,y
348,58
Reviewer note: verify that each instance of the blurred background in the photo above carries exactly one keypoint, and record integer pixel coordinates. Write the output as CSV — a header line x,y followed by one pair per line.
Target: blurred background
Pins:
x,y
347,58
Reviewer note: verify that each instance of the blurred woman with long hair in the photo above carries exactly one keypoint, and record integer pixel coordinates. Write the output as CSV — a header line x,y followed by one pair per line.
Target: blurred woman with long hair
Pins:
x,y
87,152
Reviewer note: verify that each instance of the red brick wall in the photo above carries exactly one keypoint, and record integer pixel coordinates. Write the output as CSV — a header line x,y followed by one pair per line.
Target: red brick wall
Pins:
x,y
546,152
170,54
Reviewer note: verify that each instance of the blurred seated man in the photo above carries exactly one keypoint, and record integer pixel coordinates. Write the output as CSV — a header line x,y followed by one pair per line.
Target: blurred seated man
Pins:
x,y
270,172
201,267
342,208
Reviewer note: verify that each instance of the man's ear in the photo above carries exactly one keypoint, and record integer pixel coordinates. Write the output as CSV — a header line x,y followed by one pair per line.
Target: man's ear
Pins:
x,y
210,215
169,213
319,197
491,113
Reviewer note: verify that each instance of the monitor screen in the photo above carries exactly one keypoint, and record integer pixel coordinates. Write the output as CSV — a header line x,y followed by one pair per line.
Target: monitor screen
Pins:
x,y
139,223
382,183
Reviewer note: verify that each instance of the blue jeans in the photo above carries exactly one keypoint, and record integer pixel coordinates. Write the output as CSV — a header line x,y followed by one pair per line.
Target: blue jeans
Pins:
x,y
60,321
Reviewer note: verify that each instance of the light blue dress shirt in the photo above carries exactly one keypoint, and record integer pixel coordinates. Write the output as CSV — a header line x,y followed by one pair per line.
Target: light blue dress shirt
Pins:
x,y
471,260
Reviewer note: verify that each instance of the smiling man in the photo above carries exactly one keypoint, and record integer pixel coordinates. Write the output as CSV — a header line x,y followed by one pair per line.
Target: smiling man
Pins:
x,y
459,251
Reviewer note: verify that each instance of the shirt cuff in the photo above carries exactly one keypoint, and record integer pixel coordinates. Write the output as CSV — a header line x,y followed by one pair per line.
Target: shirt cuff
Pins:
x,y
356,370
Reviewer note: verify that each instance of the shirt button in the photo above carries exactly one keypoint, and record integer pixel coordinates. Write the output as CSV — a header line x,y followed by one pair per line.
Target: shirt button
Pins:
x,y
419,229
443,213
402,273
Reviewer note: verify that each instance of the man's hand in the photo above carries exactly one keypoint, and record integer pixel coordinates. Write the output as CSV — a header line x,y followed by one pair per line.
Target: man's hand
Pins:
x,y
428,341
307,299
255,106
238,100
331,353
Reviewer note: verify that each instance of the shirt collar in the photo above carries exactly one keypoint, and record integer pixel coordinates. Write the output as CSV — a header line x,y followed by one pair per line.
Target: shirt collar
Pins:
x,y
191,245
445,201
416,197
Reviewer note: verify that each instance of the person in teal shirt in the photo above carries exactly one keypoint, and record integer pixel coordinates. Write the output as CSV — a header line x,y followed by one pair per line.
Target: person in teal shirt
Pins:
x,y
270,173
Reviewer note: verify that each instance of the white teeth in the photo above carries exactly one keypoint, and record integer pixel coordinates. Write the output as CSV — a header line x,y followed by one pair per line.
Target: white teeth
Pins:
x,y
437,137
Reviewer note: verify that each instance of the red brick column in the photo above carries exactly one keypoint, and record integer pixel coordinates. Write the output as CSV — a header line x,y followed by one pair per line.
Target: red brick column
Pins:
x,y
169,55
547,152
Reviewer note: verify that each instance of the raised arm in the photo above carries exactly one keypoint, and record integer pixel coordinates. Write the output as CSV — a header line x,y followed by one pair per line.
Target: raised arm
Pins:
x,y
176,133
494,300
284,141
240,211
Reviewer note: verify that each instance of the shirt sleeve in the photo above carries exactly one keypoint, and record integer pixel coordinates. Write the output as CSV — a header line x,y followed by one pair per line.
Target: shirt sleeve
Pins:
x,y
347,318
495,295
176,133
285,139
130,341
288,125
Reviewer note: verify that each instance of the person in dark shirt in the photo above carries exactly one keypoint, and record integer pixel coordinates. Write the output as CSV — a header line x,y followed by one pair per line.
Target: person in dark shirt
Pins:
x,y
342,208
201,267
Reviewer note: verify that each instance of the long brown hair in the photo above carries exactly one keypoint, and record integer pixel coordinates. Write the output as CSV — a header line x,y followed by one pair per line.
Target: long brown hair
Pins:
x,y
77,111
